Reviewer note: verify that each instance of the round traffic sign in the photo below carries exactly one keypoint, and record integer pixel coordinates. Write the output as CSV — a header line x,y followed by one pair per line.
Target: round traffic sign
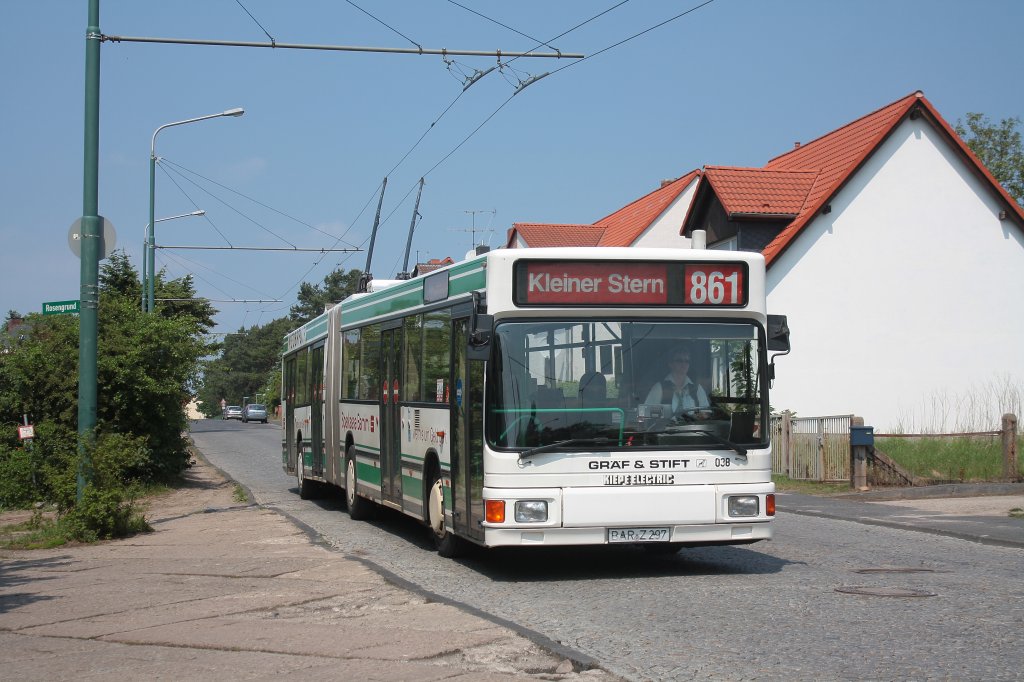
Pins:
x,y
108,238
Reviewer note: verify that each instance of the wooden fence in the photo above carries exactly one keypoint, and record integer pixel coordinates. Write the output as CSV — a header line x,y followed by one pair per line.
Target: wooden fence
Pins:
x,y
811,448
818,448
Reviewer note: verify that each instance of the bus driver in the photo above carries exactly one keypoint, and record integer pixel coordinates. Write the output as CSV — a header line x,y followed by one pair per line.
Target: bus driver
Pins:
x,y
677,389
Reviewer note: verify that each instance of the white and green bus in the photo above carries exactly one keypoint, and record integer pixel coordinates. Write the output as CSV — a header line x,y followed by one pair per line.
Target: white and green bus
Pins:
x,y
542,397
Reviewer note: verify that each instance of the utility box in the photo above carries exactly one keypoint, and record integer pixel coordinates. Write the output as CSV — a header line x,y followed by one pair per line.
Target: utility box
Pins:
x,y
862,435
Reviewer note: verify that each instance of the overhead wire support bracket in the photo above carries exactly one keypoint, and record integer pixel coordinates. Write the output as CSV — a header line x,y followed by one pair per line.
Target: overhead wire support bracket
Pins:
x,y
471,80
530,81
341,48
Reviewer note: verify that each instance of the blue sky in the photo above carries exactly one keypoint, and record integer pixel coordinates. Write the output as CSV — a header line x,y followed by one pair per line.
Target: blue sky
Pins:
x,y
733,83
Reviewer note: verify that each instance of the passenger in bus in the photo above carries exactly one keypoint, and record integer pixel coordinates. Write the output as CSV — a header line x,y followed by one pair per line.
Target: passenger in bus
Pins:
x,y
677,389
593,396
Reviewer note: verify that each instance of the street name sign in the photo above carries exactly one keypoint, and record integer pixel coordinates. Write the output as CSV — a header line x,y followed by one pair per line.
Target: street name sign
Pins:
x,y
61,308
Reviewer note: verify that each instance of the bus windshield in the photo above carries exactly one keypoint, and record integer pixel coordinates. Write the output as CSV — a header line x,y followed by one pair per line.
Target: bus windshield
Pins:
x,y
618,384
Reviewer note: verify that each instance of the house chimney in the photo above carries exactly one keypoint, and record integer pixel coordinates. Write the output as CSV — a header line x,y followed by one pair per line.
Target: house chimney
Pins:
x,y
796,145
668,181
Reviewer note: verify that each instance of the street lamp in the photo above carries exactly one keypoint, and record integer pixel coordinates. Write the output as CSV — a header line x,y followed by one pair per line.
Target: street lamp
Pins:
x,y
150,238
145,249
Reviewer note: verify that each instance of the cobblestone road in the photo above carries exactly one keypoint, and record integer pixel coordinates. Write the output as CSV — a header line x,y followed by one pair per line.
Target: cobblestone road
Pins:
x,y
813,604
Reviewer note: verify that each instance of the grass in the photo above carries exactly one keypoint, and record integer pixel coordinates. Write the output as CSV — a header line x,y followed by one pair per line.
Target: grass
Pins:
x,y
967,458
41,531
784,484
1017,513
239,494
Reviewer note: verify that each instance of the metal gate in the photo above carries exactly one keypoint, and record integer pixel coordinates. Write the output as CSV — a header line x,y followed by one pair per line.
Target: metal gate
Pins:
x,y
811,448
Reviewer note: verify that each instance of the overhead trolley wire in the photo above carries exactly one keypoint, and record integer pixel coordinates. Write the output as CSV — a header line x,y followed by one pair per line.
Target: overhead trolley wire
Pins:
x,y
267,33
636,35
495,21
253,200
226,204
390,28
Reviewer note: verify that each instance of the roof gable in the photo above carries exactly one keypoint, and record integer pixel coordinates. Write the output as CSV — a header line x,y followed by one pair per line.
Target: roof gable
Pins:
x,y
821,168
624,226
760,192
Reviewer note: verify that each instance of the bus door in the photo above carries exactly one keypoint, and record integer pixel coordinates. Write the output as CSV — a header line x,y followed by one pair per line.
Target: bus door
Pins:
x,y
289,413
316,409
466,404
391,416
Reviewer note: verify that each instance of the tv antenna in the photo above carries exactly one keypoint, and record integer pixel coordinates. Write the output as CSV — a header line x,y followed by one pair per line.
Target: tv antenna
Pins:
x,y
473,228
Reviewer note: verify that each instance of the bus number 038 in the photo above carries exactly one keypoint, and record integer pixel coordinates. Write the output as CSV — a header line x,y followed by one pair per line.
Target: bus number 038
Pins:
x,y
714,288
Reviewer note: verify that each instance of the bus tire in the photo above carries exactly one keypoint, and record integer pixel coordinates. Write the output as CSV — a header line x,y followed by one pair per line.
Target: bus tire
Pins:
x,y
359,508
305,486
447,544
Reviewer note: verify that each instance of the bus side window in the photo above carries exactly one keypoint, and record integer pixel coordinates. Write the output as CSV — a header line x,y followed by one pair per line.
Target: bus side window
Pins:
x,y
437,333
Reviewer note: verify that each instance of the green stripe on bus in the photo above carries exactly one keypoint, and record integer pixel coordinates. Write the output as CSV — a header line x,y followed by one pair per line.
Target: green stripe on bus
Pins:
x,y
412,487
367,473
462,279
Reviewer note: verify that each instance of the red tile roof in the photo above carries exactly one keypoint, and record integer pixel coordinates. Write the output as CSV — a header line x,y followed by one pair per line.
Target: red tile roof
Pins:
x,y
757,191
540,235
433,264
821,167
620,228
624,226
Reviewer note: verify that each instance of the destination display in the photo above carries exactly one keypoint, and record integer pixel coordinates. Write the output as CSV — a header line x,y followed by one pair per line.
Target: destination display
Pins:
x,y
628,283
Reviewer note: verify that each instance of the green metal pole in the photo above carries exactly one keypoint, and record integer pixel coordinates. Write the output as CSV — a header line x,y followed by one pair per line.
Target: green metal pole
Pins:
x,y
88,318
150,235
145,244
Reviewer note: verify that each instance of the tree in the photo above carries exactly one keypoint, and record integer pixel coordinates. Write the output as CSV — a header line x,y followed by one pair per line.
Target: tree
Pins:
x,y
246,366
998,147
119,278
313,299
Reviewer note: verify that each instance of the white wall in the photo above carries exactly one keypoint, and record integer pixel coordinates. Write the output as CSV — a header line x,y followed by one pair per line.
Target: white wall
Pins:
x,y
664,231
906,298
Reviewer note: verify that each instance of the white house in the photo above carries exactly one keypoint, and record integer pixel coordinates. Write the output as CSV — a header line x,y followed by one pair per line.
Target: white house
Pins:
x,y
899,260
897,256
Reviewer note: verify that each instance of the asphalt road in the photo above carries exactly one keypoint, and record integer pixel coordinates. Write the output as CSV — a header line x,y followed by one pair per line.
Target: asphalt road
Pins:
x,y
827,599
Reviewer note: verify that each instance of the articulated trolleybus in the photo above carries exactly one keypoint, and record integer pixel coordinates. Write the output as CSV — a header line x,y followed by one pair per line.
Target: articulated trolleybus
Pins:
x,y
580,396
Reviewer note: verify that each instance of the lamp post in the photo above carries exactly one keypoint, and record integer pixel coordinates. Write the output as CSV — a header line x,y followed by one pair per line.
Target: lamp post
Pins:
x,y
145,250
150,240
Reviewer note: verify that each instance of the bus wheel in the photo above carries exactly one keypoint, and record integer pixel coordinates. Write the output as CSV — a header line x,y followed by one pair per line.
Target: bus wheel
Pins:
x,y
447,544
358,507
304,485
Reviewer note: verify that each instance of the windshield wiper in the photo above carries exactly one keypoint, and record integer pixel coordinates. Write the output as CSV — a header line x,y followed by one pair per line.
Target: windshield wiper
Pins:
x,y
562,443
740,450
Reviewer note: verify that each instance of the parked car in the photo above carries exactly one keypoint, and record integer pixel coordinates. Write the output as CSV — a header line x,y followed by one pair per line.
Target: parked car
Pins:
x,y
254,412
233,412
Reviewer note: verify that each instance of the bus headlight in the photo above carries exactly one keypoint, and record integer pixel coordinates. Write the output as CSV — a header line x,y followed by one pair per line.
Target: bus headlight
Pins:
x,y
531,511
743,505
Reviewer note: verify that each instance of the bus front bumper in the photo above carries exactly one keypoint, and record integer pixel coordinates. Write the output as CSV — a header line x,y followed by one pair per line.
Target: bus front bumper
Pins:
x,y
687,514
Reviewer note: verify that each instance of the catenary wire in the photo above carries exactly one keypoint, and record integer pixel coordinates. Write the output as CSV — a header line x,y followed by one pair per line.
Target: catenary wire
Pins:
x,y
239,212
391,28
259,203
272,41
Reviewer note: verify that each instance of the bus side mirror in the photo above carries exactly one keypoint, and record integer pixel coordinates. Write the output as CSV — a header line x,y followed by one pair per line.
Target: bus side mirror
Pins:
x,y
778,333
479,341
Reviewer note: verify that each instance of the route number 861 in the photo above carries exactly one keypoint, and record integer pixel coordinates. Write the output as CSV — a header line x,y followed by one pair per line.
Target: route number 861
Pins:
x,y
716,285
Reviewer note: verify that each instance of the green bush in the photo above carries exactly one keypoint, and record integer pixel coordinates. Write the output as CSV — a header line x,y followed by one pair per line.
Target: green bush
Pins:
x,y
104,513
17,487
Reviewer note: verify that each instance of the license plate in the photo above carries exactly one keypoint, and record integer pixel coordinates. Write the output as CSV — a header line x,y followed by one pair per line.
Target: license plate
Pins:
x,y
638,535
